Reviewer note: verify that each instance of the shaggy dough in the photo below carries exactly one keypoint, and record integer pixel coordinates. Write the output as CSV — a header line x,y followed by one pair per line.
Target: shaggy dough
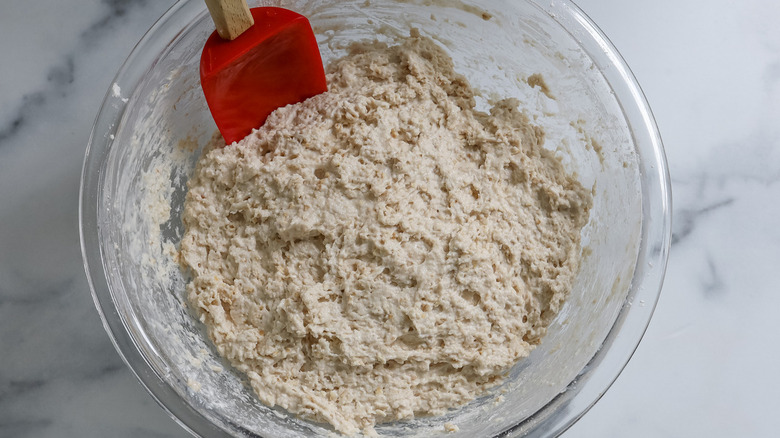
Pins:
x,y
382,250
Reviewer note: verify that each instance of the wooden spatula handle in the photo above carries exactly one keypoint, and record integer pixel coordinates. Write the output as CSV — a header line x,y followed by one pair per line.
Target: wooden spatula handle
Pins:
x,y
232,17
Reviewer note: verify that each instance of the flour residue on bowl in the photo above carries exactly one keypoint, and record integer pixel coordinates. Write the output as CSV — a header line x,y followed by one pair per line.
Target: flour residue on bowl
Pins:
x,y
383,250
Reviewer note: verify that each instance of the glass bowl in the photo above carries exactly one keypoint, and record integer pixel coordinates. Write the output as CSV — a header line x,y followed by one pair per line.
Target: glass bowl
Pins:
x,y
154,122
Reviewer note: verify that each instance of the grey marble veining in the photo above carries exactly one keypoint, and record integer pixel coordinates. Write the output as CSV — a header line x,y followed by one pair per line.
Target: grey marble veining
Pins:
x,y
63,40
59,374
707,365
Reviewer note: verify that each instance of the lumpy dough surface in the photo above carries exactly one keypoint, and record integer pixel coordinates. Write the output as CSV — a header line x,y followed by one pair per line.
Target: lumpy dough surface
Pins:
x,y
383,250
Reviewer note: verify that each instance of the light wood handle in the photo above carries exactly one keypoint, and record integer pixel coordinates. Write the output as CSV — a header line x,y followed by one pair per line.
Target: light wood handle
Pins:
x,y
232,17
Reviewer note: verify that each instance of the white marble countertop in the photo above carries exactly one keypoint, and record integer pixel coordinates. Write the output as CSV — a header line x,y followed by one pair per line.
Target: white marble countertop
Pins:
x,y
707,366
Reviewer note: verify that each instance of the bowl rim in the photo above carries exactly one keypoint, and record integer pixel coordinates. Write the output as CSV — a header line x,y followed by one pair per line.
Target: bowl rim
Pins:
x,y
632,322
598,374
99,144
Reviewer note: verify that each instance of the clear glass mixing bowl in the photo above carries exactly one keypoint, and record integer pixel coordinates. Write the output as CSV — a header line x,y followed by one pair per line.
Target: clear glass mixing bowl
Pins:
x,y
154,122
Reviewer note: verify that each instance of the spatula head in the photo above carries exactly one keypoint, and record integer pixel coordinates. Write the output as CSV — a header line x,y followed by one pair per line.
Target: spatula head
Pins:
x,y
276,62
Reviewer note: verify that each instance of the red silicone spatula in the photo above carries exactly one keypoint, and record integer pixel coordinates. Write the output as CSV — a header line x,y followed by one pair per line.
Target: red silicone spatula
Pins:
x,y
258,60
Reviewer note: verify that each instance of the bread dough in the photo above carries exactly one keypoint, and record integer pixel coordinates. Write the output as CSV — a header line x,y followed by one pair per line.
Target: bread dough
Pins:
x,y
382,250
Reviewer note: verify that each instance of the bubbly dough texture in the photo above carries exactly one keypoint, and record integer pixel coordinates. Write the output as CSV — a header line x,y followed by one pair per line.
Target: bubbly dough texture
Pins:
x,y
382,250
